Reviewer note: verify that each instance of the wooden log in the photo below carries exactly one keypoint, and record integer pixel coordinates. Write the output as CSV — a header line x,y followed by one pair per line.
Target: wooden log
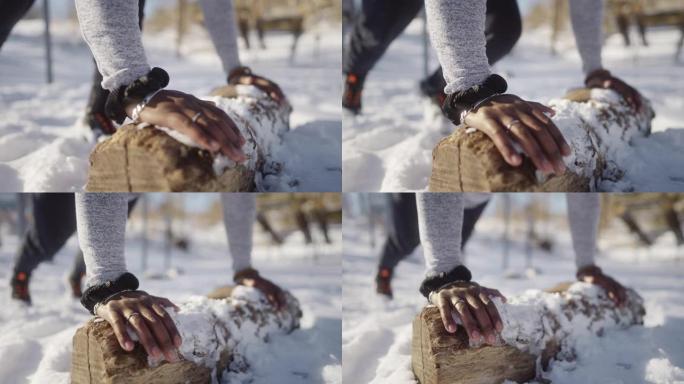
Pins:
x,y
143,158
215,332
596,124
537,329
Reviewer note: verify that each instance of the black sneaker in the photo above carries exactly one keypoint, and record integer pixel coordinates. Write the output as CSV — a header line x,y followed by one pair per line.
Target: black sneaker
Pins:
x,y
20,287
100,124
351,98
383,282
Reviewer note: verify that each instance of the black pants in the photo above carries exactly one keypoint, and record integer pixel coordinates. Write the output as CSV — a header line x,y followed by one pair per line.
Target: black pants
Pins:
x,y
404,237
382,21
11,11
54,222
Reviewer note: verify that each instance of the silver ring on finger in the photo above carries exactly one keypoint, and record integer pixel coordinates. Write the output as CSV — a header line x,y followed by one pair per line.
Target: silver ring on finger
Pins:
x,y
512,123
128,319
197,116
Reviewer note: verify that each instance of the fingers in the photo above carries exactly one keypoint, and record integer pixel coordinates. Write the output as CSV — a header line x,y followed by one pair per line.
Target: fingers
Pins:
x,y
530,146
444,307
118,324
226,122
497,133
169,324
182,123
467,319
479,310
166,303
539,110
492,311
230,144
138,324
548,144
160,333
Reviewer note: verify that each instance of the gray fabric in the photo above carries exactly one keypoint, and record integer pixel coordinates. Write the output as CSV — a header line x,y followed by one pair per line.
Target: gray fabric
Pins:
x,y
111,30
440,218
239,213
219,19
457,32
584,210
587,24
101,223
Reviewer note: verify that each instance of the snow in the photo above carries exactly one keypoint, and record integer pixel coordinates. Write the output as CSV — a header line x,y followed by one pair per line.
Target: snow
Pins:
x,y
389,147
44,146
376,335
35,341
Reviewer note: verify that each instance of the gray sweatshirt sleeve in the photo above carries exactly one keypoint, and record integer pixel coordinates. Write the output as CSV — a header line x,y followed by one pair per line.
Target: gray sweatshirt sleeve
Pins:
x,y
219,18
587,24
101,223
584,210
110,28
457,32
239,214
440,218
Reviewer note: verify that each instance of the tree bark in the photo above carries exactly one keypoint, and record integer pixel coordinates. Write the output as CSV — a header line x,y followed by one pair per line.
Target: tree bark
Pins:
x,y
142,158
534,332
595,124
215,334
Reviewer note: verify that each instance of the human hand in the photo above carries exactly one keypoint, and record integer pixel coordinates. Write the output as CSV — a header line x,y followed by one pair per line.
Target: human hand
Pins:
x,y
149,320
201,120
475,308
594,275
602,78
251,278
508,119
244,75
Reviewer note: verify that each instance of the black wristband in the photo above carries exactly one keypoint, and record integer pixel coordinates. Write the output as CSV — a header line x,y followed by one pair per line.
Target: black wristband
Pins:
x,y
115,107
460,273
456,103
98,293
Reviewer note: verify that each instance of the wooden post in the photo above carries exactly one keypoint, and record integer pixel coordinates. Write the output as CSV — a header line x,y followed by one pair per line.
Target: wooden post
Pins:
x,y
438,357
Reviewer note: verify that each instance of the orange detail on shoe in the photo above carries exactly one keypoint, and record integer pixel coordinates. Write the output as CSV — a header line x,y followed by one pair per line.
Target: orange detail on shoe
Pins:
x,y
22,276
385,273
352,79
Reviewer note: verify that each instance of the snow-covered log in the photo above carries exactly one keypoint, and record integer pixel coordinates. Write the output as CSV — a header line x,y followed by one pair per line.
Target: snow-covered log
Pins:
x,y
217,337
598,125
142,158
538,327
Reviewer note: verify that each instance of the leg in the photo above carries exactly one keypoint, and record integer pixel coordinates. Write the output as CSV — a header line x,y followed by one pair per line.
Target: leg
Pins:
x,y
12,12
584,210
470,218
402,239
378,24
54,222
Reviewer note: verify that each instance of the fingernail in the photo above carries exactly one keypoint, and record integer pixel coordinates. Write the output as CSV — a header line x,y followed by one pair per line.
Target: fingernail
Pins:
x,y
546,166
451,328
155,352
214,146
491,339
516,159
177,341
128,345
476,335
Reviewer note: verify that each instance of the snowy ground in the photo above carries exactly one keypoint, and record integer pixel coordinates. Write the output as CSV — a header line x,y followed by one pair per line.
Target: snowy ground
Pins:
x,y
376,333
35,342
389,147
41,141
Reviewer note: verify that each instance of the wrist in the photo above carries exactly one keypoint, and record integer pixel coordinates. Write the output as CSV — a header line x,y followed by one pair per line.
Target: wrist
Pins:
x,y
438,281
589,270
101,293
122,101
458,104
246,273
